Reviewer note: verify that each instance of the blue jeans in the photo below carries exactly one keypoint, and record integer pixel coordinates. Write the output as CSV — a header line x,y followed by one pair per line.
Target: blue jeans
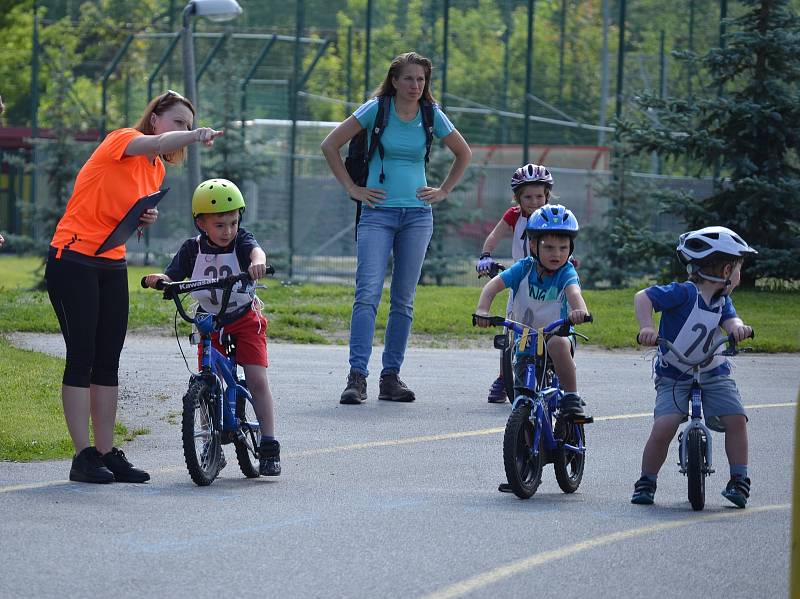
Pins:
x,y
405,233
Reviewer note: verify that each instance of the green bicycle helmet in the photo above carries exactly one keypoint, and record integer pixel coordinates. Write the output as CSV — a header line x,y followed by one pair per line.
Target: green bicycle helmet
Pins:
x,y
216,195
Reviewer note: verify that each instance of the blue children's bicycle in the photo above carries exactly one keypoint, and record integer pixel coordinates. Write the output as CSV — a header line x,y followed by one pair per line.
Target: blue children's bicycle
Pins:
x,y
537,433
217,407
694,441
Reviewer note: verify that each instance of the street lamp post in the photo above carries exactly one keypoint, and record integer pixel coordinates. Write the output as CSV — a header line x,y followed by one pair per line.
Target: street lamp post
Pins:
x,y
216,10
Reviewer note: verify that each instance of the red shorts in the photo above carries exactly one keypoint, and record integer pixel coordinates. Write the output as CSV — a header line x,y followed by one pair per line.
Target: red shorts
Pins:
x,y
250,332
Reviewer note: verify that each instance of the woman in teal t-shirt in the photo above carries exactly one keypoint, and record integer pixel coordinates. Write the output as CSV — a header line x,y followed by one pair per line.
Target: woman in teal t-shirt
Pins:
x,y
396,219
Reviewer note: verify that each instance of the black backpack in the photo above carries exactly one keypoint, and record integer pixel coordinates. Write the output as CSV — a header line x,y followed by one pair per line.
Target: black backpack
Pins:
x,y
359,153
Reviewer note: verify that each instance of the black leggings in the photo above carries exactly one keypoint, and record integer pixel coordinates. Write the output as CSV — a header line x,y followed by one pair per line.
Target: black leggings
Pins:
x,y
91,304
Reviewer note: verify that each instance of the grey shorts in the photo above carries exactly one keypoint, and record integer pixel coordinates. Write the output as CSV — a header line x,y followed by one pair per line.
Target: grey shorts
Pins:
x,y
720,398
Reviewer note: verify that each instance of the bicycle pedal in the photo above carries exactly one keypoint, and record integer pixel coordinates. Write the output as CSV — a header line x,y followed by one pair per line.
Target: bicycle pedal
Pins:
x,y
505,488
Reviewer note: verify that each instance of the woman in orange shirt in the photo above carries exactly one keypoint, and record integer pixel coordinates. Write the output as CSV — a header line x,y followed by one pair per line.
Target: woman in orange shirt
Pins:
x,y
90,293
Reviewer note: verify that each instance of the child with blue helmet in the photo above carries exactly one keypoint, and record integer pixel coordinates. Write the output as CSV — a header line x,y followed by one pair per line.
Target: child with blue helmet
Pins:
x,y
544,288
691,312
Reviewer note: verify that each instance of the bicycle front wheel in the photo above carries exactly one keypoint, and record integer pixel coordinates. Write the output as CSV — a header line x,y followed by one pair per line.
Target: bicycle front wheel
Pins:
x,y
246,443
507,369
696,468
523,467
568,464
202,449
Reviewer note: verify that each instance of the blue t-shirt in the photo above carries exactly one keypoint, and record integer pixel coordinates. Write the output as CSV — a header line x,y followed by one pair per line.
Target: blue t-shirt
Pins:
x,y
543,288
675,302
548,300
404,153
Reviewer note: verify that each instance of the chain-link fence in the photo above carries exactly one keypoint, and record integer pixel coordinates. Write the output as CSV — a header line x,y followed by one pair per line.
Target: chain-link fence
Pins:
x,y
284,74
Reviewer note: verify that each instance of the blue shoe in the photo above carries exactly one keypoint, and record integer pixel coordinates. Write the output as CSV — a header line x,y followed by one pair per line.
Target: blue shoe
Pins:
x,y
497,392
644,491
737,491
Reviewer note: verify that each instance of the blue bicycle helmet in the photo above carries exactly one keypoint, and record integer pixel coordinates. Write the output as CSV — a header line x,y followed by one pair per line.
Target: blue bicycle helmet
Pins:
x,y
553,218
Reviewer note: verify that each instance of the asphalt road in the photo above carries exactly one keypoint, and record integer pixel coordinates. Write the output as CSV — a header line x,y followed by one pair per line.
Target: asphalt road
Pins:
x,y
399,500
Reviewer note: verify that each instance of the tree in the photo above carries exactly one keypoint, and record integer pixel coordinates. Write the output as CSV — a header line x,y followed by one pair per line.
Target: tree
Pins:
x,y
750,134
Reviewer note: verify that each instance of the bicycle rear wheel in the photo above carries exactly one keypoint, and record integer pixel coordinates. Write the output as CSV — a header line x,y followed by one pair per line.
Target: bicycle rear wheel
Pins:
x,y
202,449
696,468
568,465
247,443
523,468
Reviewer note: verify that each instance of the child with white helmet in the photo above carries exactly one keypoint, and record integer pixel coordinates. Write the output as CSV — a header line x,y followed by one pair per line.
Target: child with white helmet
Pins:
x,y
545,288
690,313
531,185
223,248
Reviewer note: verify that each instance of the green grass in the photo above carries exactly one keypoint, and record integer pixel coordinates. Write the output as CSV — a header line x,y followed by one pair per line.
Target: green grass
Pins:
x,y
33,427
300,314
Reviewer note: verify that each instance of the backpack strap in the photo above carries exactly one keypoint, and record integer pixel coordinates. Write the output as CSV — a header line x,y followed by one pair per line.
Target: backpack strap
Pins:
x,y
381,122
427,124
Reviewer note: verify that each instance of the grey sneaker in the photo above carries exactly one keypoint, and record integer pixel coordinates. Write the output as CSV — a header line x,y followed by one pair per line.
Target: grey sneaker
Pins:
x,y
393,389
356,391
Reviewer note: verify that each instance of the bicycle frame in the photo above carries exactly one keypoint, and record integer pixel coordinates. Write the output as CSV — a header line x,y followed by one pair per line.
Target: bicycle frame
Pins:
x,y
214,363
696,409
544,401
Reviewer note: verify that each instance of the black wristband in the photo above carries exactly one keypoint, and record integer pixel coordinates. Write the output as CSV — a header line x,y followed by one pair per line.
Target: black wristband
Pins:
x,y
485,255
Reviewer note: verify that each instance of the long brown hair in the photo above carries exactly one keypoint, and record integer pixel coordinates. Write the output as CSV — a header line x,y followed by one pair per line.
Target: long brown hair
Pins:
x,y
158,106
396,68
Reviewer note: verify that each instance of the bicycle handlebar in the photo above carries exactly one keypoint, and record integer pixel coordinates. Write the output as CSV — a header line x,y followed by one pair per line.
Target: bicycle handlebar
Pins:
x,y
560,327
707,357
173,290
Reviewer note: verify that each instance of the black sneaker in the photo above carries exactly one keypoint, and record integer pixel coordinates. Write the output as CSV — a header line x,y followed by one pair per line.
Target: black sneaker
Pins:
x,y
269,458
393,389
88,467
356,391
123,470
572,405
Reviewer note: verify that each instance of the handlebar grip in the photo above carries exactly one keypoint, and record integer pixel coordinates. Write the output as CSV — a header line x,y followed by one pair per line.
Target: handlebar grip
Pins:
x,y
159,284
270,269
589,318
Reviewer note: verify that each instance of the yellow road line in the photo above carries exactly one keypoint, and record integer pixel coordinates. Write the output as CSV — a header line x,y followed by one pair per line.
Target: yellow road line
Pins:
x,y
484,579
385,443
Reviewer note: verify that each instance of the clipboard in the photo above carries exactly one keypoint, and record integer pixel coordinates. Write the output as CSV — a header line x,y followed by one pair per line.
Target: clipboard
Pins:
x,y
130,222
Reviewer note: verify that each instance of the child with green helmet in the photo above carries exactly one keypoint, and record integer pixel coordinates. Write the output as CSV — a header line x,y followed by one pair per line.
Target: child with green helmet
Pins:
x,y
221,249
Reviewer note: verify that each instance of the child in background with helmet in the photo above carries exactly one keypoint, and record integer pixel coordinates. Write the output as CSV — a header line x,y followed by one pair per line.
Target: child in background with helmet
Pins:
x,y
713,256
531,185
223,248
544,288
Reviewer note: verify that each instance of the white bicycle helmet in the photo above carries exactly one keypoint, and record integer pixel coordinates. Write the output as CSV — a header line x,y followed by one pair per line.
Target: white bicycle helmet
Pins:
x,y
531,173
695,246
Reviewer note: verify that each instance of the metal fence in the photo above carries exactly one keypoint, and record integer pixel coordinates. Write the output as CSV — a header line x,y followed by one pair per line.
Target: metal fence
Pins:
x,y
288,75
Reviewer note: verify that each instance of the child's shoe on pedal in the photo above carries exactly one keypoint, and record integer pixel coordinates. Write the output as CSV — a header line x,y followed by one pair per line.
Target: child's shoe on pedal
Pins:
x,y
269,457
497,392
88,467
737,491
572,405
644,491
122,469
